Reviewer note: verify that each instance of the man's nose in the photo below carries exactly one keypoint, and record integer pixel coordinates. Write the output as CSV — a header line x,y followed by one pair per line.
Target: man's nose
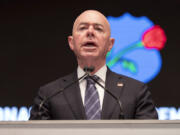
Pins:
x,y
90,32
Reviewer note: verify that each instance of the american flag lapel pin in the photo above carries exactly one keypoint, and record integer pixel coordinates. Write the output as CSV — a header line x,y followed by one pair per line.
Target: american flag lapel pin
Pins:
x,y
119,84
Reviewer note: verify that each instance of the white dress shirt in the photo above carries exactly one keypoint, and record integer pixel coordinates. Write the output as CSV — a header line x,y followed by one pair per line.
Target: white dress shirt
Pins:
x,y
101,73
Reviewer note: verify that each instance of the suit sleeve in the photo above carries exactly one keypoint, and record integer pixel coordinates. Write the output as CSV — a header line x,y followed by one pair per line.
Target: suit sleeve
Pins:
x,y
38,113
145,108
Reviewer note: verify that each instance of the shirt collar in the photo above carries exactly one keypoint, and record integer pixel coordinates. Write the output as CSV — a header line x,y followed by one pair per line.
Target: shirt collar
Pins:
x,y
101,73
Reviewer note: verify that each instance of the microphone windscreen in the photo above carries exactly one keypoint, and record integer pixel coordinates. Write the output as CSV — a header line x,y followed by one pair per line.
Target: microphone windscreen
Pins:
x,y
88,69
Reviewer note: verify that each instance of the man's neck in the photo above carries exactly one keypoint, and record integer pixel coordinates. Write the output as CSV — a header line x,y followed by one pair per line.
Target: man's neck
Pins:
x,y
95,64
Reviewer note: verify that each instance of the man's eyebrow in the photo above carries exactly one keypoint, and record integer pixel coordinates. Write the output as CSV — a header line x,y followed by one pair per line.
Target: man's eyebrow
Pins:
x,y
83,23
98,24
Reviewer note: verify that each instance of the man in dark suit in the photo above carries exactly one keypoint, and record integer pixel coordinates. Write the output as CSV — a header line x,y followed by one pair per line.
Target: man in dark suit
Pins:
x,y
90,41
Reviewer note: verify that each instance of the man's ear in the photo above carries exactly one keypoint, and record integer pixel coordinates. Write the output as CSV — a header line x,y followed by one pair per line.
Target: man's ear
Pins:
x,y
111,43
70,41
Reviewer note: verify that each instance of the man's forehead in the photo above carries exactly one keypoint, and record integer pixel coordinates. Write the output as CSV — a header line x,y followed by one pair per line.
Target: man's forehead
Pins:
x,y
87,23
91,16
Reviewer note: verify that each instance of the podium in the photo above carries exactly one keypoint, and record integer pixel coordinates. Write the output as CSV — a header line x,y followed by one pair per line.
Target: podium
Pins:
x,y
91,127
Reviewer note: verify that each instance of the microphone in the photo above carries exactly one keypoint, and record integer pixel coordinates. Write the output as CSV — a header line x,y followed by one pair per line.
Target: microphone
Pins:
x,y
87,70
121,115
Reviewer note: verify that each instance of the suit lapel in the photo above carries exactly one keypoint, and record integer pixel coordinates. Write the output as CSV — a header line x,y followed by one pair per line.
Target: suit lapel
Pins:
x,y
110,103
73,97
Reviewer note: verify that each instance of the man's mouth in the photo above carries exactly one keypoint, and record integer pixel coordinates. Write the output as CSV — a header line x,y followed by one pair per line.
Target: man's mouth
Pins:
x,y
89,44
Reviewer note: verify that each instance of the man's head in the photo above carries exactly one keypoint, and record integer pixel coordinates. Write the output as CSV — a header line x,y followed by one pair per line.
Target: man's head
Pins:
x,y
91,39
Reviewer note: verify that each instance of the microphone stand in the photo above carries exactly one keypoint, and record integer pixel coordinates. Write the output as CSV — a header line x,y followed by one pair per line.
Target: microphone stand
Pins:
x,y
87,70
61,90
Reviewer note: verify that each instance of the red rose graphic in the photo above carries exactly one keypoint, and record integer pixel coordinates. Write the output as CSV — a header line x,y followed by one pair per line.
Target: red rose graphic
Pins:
x,y
154,38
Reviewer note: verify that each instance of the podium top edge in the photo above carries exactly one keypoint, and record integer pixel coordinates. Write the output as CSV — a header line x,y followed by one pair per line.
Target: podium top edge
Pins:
x,y
92,122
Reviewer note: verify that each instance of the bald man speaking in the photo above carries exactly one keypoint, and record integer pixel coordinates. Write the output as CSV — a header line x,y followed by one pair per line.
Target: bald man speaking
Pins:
x,y
92,91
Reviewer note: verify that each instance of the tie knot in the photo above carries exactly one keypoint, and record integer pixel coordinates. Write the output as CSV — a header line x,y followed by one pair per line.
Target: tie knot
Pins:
x,y
90,80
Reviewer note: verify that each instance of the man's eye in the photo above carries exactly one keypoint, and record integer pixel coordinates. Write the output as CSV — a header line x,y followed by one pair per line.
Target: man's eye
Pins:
x,y
82,28
99,29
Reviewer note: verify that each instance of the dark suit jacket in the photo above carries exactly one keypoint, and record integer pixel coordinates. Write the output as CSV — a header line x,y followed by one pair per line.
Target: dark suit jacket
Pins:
x,y
136,99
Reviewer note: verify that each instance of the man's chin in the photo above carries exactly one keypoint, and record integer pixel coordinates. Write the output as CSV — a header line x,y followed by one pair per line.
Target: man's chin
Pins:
x,y
89,53
89,56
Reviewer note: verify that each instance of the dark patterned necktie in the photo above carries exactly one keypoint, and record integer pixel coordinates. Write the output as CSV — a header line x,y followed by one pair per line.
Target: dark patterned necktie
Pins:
x,y
92,102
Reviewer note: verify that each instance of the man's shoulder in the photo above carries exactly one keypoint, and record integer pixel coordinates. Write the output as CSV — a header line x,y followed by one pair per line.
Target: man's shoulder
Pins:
x,y
130,85
57,84
127,79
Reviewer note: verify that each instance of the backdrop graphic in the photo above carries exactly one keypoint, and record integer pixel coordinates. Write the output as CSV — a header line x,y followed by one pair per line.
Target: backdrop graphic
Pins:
x,y
34,49
135,53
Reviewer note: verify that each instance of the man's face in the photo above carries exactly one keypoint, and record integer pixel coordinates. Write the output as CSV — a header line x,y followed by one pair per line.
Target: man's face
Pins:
x,y
91,36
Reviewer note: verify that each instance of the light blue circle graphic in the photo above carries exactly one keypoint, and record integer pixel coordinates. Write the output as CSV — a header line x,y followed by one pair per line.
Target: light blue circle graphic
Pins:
x,y
137,62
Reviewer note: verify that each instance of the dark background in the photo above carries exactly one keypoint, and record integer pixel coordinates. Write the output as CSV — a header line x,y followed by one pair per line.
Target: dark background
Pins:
x,y
34,48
